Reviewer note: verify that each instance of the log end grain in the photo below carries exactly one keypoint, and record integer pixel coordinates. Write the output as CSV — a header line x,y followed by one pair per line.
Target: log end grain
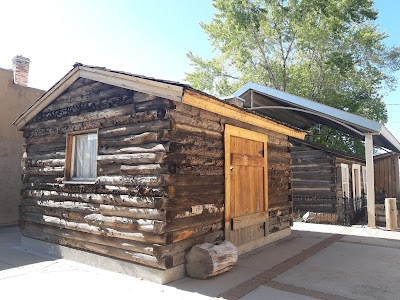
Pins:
x,y
207,260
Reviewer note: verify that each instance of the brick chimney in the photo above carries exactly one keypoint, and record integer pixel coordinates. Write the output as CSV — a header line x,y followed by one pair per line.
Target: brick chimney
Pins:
x,y
21,69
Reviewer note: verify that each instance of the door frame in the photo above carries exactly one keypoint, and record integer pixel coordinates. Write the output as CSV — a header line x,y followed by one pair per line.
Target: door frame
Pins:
x,y
250,135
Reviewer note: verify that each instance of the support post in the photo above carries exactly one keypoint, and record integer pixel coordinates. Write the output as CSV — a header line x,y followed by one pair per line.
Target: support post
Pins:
x,y
391,213
369,159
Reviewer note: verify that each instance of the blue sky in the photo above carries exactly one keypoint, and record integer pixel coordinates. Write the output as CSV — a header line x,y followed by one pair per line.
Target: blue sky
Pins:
x,y
148,37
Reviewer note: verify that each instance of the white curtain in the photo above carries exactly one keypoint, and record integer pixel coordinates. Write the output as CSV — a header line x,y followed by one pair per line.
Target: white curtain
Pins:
x,y
85,156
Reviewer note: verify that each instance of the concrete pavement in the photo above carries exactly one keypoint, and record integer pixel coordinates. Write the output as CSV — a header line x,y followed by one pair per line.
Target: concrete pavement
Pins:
x,y
315,262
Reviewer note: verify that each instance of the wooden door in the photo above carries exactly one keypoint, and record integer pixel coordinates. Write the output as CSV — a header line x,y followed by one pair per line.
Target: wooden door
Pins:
x,y
246,186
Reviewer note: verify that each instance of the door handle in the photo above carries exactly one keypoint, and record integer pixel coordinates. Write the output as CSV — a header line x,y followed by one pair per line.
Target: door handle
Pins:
x,y
232,168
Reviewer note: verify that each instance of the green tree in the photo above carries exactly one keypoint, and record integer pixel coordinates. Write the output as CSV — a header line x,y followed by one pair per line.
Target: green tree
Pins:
x,y
329,51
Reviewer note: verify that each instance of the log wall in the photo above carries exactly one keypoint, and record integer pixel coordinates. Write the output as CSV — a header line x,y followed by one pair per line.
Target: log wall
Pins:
x,y
160,184
314,179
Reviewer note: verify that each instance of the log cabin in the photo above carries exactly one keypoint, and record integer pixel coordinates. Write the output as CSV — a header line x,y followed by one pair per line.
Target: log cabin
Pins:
x,y
140,170
328,184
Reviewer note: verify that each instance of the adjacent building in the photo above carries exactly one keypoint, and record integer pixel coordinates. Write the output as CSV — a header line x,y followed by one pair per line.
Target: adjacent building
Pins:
x,y
15,97
329,184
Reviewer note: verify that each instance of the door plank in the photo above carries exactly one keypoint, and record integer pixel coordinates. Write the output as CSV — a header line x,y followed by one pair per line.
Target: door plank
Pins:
x,y
249,220
246,160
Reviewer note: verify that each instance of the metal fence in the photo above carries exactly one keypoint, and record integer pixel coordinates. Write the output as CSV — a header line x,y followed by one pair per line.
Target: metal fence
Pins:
x,y
330,210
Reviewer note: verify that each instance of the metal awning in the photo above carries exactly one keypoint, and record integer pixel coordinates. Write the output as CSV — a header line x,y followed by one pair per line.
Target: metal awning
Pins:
x,y
303,113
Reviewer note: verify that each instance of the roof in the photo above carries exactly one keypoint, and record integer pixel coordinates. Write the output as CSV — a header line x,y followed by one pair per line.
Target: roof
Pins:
x,y
328,150
384,155
167,89
305,114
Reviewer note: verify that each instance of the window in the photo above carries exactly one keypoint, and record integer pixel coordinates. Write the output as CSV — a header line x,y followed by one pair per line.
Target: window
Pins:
x,y
345,180
81,156
364,177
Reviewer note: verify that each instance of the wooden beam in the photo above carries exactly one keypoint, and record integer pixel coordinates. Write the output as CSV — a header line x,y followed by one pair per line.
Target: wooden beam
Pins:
x,y
369,159
207,103
152,87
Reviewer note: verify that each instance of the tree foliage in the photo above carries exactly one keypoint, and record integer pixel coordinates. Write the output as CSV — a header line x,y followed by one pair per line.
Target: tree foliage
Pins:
x,y
329,51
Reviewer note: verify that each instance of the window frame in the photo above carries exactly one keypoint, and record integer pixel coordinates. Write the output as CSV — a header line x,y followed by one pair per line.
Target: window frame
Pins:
x,y
70,154
344,168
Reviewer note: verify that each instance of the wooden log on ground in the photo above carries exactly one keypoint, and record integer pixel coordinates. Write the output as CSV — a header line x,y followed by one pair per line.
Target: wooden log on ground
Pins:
x,y
183,245
207,260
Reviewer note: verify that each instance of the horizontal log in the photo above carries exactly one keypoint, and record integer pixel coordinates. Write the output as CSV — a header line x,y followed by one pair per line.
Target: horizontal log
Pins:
x,y
55,138
109,232
195,210
186,223
190,139
41,179
177,236
104,209
183,245
47,147
197,170
100,189
313,184
144,148
194,180
197,150
133,158
182,202
187,190
145,180
119,243
105,250
59,171
144,169
126,119
134,128
154,104
195,121
94,87
196,130
53,212
45,156
94,96
133,139
194,160
45,162
110,199
123,106
310,153
153,226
